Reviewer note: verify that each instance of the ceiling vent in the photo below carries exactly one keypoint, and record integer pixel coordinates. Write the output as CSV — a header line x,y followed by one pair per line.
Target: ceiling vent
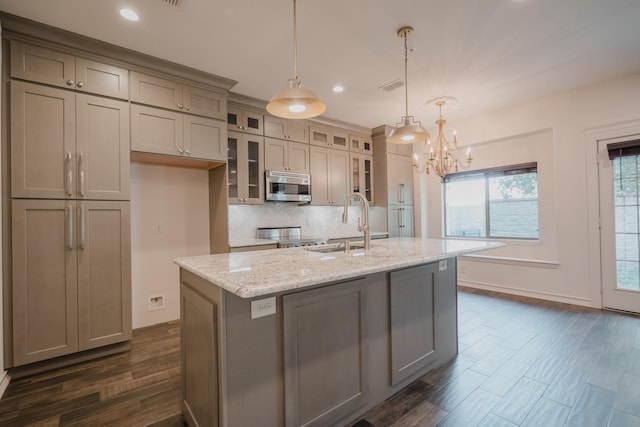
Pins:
x,y
174,3
388,87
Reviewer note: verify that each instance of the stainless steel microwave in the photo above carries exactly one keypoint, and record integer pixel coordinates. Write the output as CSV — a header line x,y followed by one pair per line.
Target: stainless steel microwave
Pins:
x,y
287,187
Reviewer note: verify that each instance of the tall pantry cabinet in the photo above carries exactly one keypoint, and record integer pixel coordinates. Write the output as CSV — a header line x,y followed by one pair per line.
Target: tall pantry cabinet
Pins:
x,y
394,182
69,205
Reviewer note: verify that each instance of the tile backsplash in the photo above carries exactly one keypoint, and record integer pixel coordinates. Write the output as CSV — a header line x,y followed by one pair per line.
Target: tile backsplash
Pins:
x,y
317,221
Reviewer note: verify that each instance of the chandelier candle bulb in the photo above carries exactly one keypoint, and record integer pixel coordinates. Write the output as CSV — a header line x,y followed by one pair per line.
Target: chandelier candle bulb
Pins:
x,y
468,154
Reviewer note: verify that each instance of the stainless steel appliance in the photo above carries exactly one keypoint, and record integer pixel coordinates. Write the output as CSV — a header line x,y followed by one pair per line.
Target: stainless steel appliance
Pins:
x,y
289,237
287,187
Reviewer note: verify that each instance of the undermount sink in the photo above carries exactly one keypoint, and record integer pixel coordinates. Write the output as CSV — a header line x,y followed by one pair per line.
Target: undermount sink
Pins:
x,y
337,247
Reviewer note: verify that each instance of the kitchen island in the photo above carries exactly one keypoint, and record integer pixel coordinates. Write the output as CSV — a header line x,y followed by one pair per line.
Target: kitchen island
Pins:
x,y
314,336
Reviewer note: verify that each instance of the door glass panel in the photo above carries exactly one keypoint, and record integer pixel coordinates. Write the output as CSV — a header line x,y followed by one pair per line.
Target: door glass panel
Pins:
x,y
355,179
340,140
232,167
232,118
253,123
254,169
367,179
627,216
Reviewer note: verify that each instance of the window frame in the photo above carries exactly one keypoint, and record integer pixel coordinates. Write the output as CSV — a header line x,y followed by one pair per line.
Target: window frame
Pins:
x,y
486,174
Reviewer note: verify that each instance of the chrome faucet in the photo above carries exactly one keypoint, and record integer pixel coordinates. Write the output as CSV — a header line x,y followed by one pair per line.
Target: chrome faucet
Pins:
x,y
364,227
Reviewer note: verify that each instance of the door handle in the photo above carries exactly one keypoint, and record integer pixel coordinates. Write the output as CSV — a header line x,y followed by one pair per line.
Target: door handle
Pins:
x,y
69,181
82,227
69,228
81,173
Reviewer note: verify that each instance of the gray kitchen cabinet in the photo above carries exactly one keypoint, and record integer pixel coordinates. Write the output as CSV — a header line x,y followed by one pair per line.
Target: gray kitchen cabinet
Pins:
x,y
411,313
199,336
245,168
325,374
399,179
360,143
71,277
329,137
329,176
173,95
282,155
393,182
52,67
400,220
66,145
242,119
158,131
292,130
362,175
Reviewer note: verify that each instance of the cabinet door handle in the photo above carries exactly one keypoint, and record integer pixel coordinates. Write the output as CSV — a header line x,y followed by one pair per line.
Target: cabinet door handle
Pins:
x,y
70,82
82,227
81,173
186,107
69,228
69,180
180,106
180,150
187,152
80,84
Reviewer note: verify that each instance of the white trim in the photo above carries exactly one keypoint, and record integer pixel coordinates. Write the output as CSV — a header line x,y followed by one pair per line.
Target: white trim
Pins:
x,y
4,382
584,302
524,262
592,136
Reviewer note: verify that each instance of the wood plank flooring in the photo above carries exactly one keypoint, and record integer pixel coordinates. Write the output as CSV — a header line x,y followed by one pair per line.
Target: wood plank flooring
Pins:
x,y
522,362
530,363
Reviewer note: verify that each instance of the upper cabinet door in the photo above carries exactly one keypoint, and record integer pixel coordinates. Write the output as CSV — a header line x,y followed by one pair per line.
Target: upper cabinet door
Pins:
x,y
155,91
204,102
205,138
156,131
42,65
276,154
55,68
239,119
298,159
43,142
102,79
275,127
102,148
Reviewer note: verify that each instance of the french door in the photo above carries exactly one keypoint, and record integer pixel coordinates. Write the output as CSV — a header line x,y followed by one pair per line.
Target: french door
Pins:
x,y
619,181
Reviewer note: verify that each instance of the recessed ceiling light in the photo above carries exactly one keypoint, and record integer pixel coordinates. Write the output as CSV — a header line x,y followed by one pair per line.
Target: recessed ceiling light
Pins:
x,y
338,89
129,14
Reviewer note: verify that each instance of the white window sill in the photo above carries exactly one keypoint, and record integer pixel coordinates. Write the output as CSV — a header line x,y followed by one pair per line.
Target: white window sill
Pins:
x,y
511,261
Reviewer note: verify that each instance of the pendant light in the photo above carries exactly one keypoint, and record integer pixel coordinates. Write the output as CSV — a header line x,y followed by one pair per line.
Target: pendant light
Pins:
x,y
408,130
294,101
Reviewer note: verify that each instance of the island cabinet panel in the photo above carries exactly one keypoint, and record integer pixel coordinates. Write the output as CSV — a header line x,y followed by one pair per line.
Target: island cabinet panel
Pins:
x,y
199,362
411,297
325,373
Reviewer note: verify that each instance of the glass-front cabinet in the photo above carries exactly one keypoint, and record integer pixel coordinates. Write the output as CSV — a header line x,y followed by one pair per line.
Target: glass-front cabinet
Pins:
x,y
362,175
245,168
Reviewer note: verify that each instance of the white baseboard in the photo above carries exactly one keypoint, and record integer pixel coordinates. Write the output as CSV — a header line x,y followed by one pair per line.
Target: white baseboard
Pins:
x,y
4,382
547,296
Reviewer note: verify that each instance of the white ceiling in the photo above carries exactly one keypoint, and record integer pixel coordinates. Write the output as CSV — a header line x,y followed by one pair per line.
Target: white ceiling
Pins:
x,y
487,53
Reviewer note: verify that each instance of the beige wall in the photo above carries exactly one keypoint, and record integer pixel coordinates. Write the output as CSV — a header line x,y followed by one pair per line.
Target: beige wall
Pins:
x,y
556,131
169,219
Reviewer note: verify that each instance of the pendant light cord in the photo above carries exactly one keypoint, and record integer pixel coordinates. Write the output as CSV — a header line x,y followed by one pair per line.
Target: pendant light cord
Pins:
x,y
295,45
406,82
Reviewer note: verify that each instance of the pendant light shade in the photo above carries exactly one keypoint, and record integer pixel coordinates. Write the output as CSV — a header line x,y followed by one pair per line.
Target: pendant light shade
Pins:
x,y
408,130
294,101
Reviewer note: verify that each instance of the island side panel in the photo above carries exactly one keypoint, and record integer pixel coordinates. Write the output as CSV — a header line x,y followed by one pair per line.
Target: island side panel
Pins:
x,y
446,312
200,358
254,367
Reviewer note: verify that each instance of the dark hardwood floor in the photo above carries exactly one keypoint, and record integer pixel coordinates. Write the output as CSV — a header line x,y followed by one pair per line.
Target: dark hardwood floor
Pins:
x,y
522,362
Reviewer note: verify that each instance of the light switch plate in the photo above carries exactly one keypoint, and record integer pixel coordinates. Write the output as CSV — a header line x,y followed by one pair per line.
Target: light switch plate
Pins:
x,y
263,307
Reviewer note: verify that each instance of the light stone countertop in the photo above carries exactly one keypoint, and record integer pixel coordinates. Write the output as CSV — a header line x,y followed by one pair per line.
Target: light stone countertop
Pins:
x,y
260,242
258,273
252,242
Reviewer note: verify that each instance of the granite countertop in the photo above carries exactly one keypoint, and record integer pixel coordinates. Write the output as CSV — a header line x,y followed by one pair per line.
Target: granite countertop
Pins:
x,y
258,273
351,236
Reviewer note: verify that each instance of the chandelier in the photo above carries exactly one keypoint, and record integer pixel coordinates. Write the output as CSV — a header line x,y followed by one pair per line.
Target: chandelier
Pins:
x,y
443,155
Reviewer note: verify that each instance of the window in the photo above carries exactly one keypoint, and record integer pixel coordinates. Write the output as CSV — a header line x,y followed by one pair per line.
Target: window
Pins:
x,y
492,203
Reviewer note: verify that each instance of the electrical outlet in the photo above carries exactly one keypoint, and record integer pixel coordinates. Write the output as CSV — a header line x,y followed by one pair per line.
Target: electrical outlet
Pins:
x,y
442,265
263,307
158,229
463,269
156,302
